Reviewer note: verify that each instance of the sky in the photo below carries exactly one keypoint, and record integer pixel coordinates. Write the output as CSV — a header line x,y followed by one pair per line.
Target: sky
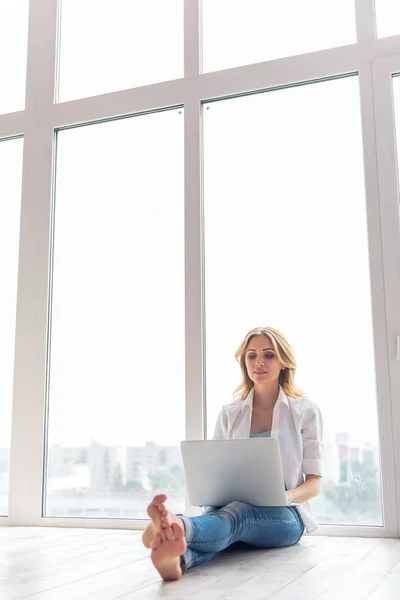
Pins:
x,y
285,225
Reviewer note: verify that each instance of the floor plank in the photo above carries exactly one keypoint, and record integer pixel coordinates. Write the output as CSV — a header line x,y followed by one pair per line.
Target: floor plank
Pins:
x,y
389,589
366,575
89,564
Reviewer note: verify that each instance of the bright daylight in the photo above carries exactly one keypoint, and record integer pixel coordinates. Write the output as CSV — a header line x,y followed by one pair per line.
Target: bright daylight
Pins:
x,y
200,335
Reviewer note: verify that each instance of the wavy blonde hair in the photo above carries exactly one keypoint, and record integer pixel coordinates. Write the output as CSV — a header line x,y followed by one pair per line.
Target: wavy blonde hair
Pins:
x,y
285,355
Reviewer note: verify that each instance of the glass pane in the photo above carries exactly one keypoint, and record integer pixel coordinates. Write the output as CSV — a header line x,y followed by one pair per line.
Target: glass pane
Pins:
x,y
13,46
111,45
10,204
117,342
387,17
287,167
239,32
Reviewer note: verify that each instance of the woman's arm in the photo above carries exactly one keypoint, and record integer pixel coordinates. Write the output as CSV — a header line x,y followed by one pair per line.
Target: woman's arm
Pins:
x,y
307,490
311,433
221,427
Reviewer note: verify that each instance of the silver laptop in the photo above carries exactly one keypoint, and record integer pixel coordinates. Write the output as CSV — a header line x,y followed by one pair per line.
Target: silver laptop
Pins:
x,y
244,470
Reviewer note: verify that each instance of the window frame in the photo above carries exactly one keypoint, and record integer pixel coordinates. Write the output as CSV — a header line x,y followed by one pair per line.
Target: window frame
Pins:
x,y
40,121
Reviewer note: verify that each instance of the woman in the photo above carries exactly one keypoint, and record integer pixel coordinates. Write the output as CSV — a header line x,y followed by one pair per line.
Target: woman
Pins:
x,y
268,404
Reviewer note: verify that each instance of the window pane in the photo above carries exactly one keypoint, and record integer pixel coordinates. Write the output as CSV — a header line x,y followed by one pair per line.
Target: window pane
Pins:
x,y
10,203
117,342
13,46
284,186
110,45
387,17
239,32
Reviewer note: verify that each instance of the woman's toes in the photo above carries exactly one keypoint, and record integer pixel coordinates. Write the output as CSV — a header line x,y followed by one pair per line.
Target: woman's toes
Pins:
x,y
170,534
178,531
153,510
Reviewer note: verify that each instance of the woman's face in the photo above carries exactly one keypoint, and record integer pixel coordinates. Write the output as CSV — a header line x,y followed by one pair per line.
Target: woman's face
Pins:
x,y
262,363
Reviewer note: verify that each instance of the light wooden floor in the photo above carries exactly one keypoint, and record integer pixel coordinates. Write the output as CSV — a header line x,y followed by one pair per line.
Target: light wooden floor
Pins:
x,y
64,564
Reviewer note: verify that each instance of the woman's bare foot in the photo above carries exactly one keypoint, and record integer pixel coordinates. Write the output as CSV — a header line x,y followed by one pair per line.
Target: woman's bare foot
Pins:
x,y
161,519
166,554
155,510
165,535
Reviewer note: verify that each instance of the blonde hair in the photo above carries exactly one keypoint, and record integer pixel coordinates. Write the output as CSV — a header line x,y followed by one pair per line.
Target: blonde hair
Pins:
x,y
285,355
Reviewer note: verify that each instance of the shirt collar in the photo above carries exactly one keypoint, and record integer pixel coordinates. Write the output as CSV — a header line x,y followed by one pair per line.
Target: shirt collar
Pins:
x,y
249,400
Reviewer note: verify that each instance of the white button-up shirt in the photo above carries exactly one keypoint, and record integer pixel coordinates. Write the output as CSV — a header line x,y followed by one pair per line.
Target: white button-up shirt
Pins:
x,y
298,426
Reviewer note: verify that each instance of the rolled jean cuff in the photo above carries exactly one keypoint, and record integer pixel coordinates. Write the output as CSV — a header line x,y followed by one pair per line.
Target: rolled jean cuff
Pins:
x,y
189,528
186,558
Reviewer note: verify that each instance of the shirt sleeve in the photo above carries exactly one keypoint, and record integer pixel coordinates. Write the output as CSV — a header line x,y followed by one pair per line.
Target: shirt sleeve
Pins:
x,y
221,427
313,450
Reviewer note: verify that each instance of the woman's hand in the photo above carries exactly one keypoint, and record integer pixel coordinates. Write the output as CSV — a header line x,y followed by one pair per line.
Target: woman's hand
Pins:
x,y
307,490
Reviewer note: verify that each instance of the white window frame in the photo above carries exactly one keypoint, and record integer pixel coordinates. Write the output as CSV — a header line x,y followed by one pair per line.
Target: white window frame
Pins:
x,y
373,59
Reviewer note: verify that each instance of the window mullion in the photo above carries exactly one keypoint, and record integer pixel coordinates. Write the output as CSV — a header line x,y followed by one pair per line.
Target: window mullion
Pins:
x,y
192,37
389,216
12,124
365,20
28,417
378,297
42,57
195,417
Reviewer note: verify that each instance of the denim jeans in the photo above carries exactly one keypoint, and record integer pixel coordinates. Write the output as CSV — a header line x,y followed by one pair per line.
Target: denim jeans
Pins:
x,y
218,528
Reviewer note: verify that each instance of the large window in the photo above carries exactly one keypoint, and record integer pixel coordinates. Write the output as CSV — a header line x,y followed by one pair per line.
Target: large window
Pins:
x,y
111,45
237,32
117,342
192,169
10,202
13,43
286,246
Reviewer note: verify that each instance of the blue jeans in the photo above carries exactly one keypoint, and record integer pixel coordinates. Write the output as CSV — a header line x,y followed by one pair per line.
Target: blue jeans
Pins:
x,y
258,526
